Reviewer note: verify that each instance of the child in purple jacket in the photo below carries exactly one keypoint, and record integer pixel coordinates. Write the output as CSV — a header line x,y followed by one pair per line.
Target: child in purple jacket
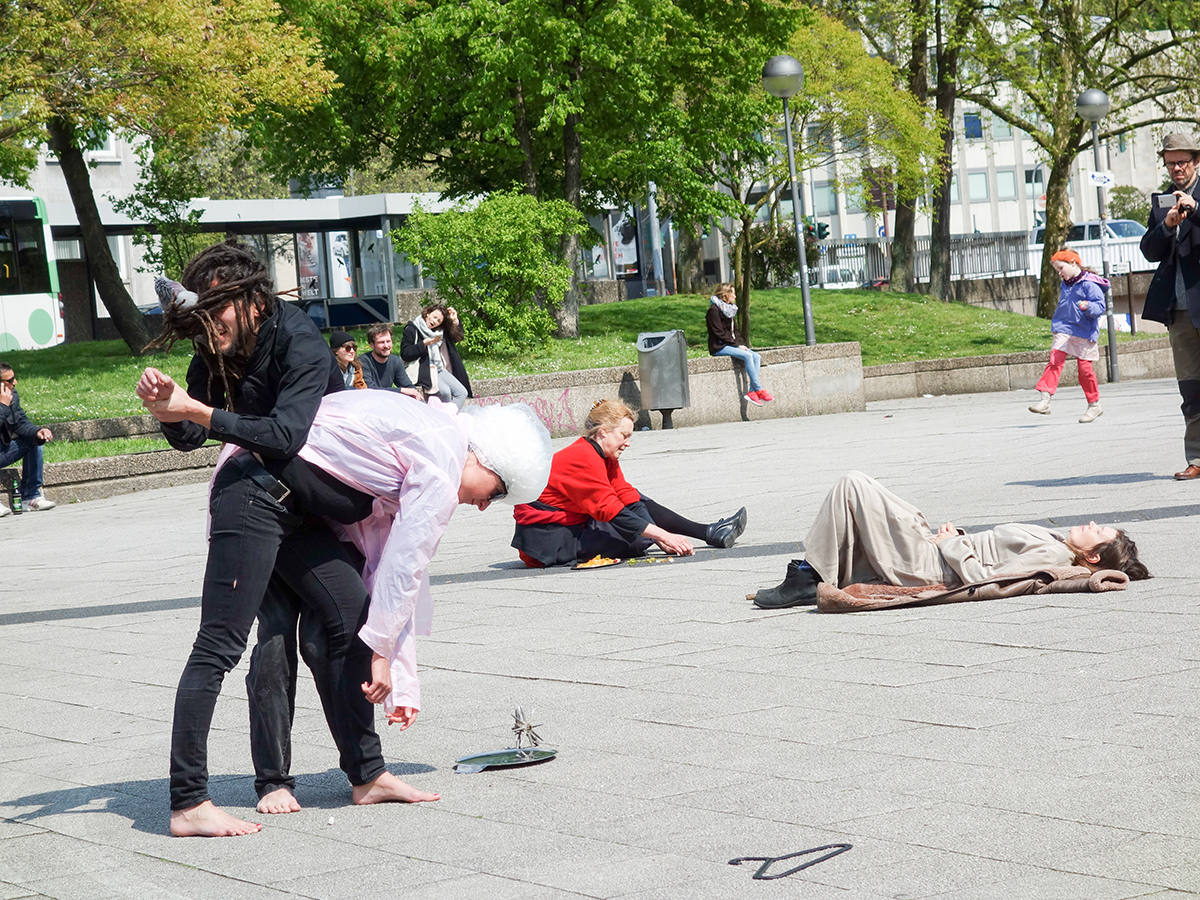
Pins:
x,y
1075,328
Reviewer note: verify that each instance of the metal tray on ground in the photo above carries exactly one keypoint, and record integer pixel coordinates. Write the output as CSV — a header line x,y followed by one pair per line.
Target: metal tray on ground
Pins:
x,y
512,756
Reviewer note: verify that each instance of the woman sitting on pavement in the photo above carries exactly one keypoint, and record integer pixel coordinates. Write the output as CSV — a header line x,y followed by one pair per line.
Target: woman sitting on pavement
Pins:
x,y
863,533
724,340
588,509
428,340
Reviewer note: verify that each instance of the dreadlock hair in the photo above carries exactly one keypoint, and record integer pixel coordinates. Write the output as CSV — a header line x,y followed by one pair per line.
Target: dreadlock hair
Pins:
x,y
222,274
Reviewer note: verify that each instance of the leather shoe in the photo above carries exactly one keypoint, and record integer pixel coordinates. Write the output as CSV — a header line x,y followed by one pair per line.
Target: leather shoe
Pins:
x,y
1188,474
799,588
724,532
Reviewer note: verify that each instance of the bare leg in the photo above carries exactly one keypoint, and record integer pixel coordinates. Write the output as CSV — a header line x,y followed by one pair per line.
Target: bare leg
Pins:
x,y
208,820
280,800
387,788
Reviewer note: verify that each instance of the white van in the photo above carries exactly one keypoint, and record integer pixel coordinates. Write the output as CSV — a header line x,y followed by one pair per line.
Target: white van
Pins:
x,y
1090,231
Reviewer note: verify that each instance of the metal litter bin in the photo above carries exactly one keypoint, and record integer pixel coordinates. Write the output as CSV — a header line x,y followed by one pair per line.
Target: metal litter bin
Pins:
x,y
663,372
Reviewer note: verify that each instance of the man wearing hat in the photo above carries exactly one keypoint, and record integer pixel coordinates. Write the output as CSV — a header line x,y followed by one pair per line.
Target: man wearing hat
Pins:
x,y
1173,298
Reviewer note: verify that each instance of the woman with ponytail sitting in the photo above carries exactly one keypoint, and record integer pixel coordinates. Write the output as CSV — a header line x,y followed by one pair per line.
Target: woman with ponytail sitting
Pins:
x,y
588,509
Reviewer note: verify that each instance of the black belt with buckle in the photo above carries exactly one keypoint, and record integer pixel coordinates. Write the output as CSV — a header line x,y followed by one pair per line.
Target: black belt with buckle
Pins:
x,y
254,470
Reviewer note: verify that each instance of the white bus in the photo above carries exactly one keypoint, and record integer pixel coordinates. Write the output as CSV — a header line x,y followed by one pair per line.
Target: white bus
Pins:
x,y
31,310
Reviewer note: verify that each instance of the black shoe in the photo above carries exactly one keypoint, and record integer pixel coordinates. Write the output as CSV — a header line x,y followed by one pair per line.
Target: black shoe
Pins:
x,y
799,588
724,532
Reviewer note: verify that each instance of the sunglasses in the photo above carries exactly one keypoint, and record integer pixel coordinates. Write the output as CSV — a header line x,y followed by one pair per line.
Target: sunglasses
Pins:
x,y
351,347
12,380
1181,164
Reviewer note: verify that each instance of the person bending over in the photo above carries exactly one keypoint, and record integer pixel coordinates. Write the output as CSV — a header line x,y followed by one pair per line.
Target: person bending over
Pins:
x,y
863,533
588,509
419,462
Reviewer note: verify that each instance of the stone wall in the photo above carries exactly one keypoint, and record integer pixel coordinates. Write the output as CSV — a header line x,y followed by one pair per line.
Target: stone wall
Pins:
x,y
805,381
1150,358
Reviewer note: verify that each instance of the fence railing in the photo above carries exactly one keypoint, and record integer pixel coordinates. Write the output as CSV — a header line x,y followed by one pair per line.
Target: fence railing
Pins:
x,y
855,261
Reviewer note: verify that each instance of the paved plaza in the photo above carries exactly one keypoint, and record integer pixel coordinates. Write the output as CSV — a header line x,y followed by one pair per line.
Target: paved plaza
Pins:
x,y
1027,749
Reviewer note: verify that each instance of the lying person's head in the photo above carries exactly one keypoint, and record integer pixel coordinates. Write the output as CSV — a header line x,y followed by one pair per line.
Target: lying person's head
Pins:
x,y
1104,547
508,455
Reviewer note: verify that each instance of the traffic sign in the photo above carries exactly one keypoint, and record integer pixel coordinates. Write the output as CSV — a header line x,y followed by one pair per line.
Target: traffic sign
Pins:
x,y
1101,179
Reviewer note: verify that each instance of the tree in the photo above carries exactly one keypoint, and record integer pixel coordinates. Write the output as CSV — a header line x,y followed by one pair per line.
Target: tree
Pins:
x,y
74,70
912,35
1031,60
162,198
578,100
1127,202
498,264
849,108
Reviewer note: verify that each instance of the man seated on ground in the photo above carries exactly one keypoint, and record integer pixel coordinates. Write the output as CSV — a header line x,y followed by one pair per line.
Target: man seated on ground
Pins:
x,y
21,439
383,370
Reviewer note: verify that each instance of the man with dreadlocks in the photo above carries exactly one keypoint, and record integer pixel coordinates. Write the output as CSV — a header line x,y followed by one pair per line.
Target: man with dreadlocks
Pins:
x,y
256,381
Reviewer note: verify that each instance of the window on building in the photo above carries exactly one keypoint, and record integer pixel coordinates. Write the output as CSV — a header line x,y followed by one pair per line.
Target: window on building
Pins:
x,y
977,186
1006,184
972,126
824,200
953,188
1035,184
1001,130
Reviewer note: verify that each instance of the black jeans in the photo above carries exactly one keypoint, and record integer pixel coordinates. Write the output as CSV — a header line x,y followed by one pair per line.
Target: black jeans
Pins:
x,y
317,582
247,526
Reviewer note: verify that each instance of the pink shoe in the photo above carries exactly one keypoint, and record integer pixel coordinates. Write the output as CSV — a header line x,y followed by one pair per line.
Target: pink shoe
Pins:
x,y
764,396
753,397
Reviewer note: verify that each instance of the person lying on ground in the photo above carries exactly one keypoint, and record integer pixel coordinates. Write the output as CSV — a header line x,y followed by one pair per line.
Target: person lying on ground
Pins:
x,y
863,533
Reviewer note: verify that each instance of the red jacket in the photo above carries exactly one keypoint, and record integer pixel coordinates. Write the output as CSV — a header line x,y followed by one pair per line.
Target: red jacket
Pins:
x,y
584,484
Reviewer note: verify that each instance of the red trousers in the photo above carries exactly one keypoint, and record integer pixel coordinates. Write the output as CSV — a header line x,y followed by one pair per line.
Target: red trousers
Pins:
x,y
1054,370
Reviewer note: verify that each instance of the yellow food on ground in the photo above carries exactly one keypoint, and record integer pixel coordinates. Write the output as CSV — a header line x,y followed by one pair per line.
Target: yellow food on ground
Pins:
x,y
597,561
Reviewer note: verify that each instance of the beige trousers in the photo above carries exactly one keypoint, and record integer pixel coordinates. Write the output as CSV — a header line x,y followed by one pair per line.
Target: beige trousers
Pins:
x,y
865,533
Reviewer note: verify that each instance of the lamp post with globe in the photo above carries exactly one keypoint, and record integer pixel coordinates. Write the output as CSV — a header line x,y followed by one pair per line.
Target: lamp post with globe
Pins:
x,y
783,77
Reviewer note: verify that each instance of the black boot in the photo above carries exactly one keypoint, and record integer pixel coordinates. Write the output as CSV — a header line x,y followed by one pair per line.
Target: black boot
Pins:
x,y
724,532
799,588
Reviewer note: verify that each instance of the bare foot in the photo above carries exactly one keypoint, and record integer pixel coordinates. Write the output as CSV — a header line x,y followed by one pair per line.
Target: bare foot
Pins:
x,y
278,801
387,788
208,820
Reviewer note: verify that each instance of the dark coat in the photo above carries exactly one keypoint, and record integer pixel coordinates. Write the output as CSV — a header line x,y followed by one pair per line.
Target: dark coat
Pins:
x,y
412,349
1159,245
14,423
721,332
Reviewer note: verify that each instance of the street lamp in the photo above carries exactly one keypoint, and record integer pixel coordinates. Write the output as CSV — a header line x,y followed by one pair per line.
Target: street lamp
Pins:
x,y
782,77
1092,106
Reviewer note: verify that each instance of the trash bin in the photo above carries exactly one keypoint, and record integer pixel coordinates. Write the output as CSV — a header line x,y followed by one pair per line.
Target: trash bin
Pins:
x,y
662,370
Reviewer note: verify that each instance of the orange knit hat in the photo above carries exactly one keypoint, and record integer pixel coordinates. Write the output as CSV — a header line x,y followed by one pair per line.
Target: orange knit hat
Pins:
x,y
1069,256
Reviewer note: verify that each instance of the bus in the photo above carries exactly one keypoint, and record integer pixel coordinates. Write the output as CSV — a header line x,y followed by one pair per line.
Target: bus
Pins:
x,y
31,310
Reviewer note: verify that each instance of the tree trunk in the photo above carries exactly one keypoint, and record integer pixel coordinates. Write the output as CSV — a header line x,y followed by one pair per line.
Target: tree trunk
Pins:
x,y
904,242
939,250
1058,222
125,315
567,315
743,274
689,261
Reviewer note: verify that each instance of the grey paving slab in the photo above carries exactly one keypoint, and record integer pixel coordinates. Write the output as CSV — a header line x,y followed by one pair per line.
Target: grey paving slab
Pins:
x,y
1034,747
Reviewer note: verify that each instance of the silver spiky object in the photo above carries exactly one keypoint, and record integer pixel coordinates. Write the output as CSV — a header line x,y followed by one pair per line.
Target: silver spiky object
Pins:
x,y
523,729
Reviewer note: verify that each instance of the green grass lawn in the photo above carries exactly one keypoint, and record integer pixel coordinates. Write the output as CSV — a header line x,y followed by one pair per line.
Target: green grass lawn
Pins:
x,y
95,380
